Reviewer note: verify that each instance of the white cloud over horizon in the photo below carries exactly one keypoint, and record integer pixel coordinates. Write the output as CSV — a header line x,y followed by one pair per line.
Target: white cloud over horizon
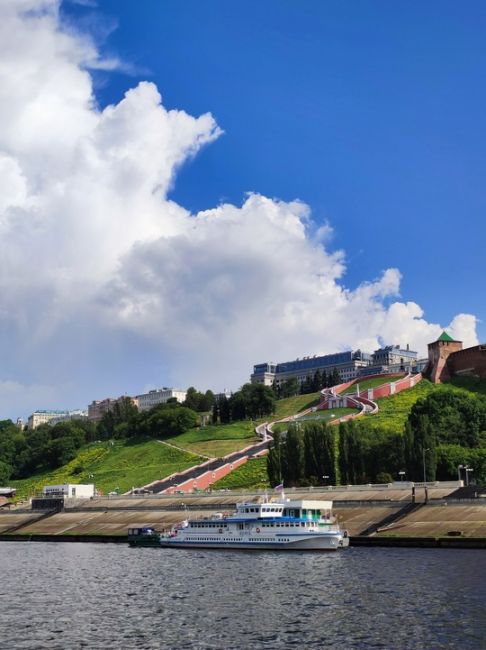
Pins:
x,y
105,282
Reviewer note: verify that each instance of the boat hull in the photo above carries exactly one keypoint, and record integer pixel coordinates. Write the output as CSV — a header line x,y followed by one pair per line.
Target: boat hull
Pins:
x,y
314,543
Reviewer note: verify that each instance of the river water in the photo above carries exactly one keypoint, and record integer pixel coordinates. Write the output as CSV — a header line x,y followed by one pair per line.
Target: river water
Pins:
x,y
63,596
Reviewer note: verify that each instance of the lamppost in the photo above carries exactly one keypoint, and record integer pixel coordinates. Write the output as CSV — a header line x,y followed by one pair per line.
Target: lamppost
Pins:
x,y
459,467
425,475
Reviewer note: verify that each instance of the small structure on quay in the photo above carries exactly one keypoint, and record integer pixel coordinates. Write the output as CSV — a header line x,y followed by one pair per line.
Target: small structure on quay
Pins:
x,y
53,497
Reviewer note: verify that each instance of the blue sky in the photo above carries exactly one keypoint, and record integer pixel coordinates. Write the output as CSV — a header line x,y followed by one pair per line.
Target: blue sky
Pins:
x,y
370,112
190,188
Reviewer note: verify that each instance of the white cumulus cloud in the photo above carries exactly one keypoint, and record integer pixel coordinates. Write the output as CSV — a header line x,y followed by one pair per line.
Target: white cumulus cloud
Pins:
x,y
107,284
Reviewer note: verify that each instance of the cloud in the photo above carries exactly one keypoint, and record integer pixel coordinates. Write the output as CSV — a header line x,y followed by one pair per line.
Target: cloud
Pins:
x,y
106,284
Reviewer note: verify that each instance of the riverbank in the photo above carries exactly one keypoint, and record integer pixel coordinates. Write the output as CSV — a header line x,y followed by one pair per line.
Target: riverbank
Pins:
x,y
357,541
372,517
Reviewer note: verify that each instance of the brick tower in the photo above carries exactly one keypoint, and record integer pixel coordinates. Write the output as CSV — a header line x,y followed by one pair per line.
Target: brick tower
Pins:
x,y
438,353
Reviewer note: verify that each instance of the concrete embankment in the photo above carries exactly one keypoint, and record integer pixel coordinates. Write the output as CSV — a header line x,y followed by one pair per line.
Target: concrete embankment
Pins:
x,y
382,517
420,542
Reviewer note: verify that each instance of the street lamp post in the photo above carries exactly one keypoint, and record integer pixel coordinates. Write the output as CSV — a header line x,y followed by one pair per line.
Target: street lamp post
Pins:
x,y
425,475
459,467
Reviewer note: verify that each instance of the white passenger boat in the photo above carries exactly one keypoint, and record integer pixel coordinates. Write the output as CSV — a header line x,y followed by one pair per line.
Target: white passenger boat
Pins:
x,y
288,525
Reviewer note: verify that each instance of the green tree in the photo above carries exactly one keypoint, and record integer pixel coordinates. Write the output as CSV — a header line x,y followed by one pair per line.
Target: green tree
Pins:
x,y
294,469
317,381
289,388
319,453
5,473
274,461
422,453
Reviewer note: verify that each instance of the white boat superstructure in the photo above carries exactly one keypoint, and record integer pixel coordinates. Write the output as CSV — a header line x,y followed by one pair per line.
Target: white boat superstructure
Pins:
x,y
289,525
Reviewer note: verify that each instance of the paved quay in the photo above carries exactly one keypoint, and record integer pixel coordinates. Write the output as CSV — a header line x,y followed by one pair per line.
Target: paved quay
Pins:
x,y
376,512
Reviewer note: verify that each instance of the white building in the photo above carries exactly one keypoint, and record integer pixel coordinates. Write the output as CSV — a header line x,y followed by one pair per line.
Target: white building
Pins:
x,y
77,414
159,396
77,490
52,417
42,417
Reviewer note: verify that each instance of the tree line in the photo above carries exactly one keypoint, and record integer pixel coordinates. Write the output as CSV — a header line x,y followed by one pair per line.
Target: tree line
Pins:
x,y
311,384
443,430
24,452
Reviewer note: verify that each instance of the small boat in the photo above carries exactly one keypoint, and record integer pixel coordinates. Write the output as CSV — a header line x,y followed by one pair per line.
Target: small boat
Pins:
x,y
143,536
287,525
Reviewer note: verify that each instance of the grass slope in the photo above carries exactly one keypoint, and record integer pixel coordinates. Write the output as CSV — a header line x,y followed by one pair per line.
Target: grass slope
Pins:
x,y
293,405
121,466
216,441
394,410
371,383
251,475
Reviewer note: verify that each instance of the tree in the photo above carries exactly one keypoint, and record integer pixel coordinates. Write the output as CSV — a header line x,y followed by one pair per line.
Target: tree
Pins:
x,y
317,381
324,379
422,453
224,410
455,417
200,402
274,461
276,389
165,420
252,401
334,378
289,388
60,451
294,469
5,473
351,453
319,452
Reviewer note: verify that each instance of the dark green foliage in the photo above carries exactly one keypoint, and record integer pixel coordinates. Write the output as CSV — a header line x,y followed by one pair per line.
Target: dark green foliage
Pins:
x,y
334,378
200,402
289,388
5,473
274,461
251,401
352,453
293,469
452,419
170,421
449,457
221,410
60,451
455,417
125,413
304,456
320,453
47,447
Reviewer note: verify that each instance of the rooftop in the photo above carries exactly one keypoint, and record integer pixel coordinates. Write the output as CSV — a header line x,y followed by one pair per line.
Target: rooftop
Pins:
x,y
445,337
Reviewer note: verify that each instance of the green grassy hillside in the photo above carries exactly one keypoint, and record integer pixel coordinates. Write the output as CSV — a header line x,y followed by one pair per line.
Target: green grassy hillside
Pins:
x,y
292,405
371,383
394,410
216,441
118,466
251,475
125,464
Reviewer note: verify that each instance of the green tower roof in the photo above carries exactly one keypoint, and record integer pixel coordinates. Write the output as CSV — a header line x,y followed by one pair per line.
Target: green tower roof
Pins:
x,y
445,337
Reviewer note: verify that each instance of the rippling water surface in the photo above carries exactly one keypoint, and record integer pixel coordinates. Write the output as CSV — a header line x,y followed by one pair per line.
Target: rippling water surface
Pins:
x,y
62,596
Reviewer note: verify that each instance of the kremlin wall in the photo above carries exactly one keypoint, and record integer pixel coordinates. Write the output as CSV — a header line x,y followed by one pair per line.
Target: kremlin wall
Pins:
x,y
448,359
